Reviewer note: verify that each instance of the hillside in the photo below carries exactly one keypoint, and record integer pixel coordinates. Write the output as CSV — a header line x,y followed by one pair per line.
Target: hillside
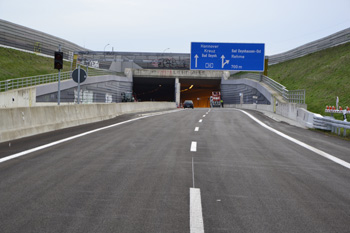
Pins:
x,y
324,75
17,64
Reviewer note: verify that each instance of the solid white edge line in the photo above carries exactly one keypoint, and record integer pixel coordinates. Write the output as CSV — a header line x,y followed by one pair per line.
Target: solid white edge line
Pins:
x,y
196,215
74,137
196,129
317,151
194,146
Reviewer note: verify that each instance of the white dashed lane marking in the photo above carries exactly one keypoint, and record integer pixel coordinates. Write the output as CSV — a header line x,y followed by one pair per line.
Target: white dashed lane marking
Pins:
x,y
194,146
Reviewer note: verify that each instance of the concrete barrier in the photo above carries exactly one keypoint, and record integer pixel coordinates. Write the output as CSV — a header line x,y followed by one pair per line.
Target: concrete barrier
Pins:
x,y
305,118
27,121
24,97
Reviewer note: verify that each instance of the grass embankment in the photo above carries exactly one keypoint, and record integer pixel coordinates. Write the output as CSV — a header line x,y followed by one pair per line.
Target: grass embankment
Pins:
x,y
17,64
324,75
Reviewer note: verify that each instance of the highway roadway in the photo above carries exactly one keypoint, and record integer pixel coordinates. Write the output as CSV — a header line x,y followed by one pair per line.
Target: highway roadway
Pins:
x,y
201,170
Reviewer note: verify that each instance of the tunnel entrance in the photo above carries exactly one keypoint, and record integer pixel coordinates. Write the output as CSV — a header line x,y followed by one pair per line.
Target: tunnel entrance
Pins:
x,y
163,89
200,92
154,89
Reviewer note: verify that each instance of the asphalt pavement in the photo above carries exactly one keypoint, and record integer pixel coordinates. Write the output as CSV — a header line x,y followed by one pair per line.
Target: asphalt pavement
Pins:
x,y
201,170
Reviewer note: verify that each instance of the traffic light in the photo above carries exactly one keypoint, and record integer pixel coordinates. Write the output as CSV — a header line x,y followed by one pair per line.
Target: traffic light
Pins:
x,y
58,63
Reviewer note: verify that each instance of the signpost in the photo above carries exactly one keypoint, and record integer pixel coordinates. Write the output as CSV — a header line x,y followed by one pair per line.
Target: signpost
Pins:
x,y
79,76
227,56
58,64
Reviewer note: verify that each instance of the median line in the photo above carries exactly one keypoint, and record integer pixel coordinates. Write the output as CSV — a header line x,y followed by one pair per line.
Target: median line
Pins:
x,y
193,146
196,215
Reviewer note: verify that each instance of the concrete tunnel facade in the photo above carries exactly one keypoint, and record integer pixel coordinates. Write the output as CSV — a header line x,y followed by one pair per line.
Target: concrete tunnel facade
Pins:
x,y
181,85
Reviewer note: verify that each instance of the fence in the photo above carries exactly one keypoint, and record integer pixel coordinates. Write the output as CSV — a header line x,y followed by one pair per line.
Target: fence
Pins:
x,y
312,47
41,79
293,96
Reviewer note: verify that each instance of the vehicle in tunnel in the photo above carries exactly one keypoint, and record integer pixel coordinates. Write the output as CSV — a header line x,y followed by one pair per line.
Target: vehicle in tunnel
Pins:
x,y
188,104
127,97
215,99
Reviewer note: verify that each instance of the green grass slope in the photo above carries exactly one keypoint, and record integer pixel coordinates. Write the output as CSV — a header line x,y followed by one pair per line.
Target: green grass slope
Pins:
x,y
17,64
324,75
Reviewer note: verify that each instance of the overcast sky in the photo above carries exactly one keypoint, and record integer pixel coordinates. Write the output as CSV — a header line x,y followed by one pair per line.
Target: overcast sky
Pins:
x,y
156,25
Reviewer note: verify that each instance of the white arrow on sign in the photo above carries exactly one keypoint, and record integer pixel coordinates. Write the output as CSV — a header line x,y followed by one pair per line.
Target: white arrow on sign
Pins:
x,y
222,61
196,60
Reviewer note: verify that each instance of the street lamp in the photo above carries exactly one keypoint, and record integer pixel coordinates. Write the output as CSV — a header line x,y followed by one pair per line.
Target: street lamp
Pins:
x,y
165,50
104,50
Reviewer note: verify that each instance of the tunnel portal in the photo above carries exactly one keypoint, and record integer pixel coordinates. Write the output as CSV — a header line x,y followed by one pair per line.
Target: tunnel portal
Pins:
x,y
163,89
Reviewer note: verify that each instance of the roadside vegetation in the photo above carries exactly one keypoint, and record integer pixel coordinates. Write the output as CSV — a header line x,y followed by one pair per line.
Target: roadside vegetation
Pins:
x,y
17,64
324,75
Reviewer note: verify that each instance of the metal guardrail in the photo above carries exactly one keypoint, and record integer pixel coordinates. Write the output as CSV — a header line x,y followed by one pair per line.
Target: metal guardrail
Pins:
x,y
331,124
335,39
293,96
11,84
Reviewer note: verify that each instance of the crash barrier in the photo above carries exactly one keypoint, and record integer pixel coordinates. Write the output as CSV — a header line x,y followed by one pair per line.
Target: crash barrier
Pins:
x,y
335,39
293,96
331,124
27,121
17,83
24,97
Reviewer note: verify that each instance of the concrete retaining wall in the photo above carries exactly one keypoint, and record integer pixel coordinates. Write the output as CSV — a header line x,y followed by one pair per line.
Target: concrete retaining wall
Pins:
x,y
289,110
26,121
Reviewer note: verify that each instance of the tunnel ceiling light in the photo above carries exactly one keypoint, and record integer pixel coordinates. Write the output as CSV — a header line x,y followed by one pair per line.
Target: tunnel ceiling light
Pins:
x,y
190,87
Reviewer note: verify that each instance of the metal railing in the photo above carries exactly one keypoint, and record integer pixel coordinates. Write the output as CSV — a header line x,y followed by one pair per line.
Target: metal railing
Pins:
x,y
331,124
296,96
293,96
11,84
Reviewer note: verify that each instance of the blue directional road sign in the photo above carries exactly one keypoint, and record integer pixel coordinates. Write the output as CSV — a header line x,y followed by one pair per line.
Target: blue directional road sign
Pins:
x,y
227,56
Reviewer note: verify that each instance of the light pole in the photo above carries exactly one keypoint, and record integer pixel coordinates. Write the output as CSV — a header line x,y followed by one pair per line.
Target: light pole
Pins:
x,y
104,51
105,48
165,50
